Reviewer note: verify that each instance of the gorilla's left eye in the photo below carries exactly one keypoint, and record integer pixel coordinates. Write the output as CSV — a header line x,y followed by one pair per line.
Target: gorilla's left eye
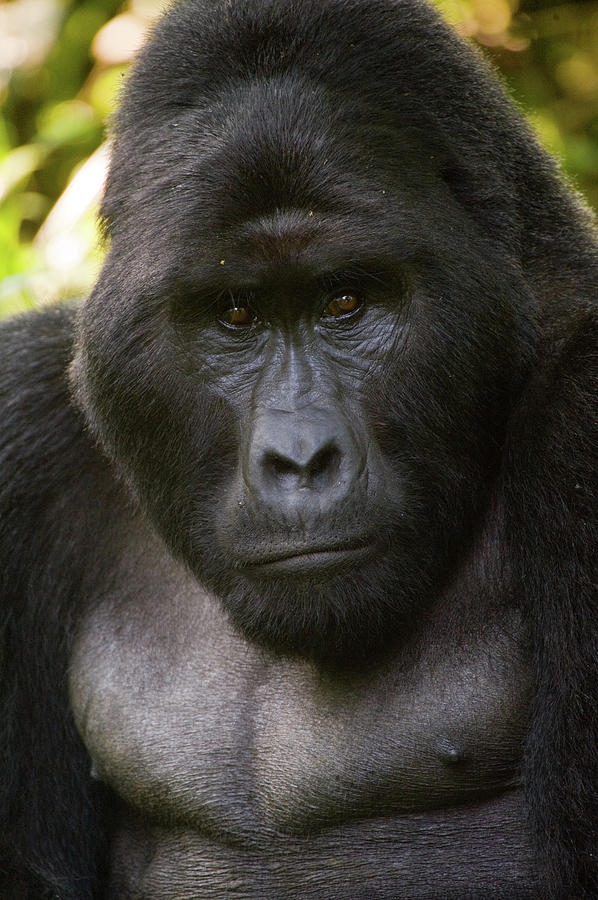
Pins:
x,y
236,312
343,305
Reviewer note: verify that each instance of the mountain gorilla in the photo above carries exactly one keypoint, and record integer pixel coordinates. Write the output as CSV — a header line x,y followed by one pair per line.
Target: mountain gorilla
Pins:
x,y
299,511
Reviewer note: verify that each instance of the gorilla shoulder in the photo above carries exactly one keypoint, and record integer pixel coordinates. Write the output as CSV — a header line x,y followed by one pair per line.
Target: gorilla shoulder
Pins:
x,y
45,452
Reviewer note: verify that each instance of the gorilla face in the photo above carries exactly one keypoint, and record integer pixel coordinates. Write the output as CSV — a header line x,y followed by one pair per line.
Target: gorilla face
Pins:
x,y
301,355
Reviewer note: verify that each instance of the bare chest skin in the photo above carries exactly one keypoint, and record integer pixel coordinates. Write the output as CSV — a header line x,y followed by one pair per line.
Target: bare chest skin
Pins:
x,y
238,768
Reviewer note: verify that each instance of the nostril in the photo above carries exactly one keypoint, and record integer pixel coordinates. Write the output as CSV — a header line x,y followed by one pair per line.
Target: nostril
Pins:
x,y
279,466
325,462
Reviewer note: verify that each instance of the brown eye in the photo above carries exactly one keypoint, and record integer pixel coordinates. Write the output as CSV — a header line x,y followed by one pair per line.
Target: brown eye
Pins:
x,y
343,305
236,313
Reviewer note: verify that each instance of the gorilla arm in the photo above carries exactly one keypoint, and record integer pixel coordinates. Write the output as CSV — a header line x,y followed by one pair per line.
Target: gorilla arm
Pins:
x,y
52,539
552,530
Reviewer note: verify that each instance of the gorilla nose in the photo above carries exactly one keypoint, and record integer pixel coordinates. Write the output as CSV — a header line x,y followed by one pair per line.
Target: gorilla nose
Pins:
x,y
304,467
292,451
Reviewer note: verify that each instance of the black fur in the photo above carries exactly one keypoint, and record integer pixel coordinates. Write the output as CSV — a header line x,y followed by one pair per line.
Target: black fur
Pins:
x,y
51,841
485,419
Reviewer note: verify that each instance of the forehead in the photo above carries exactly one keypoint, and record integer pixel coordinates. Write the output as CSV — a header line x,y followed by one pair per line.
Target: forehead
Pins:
x,y
282,143
282,173
287,142
284,161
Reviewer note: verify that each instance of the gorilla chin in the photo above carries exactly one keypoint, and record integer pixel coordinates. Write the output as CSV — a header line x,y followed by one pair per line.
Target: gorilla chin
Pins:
x,y
328,616
334,605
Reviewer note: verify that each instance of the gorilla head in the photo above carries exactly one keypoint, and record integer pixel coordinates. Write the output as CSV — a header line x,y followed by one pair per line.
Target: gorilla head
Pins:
x,y
313,317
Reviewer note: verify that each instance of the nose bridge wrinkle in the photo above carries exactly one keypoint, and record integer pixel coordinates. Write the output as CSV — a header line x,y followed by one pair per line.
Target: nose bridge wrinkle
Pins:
x,y
291,384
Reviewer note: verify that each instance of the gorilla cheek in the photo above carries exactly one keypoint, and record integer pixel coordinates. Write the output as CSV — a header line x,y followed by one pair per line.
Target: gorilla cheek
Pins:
x,y
174,442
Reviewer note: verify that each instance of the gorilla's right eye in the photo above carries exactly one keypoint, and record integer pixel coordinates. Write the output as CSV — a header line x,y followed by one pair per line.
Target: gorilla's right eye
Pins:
x,y
236,312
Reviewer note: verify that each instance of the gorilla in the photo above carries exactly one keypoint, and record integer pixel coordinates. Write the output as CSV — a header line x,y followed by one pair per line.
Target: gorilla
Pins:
x,y
299,510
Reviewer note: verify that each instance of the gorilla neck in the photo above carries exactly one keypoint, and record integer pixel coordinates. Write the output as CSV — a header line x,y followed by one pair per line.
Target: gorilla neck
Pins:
x,y
190,723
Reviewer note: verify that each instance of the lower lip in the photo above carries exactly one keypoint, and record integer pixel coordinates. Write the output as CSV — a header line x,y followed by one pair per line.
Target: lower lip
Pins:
x,y
318,561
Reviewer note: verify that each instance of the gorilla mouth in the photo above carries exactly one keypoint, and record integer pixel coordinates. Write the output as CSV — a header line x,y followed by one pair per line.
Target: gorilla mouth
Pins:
x,y
310,559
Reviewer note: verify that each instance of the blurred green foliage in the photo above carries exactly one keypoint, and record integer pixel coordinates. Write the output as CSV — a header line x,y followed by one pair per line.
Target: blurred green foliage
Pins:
x,y
547,53
61,64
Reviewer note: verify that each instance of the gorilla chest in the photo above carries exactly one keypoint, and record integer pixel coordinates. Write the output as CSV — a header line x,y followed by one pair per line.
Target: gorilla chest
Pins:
x,y
190,724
